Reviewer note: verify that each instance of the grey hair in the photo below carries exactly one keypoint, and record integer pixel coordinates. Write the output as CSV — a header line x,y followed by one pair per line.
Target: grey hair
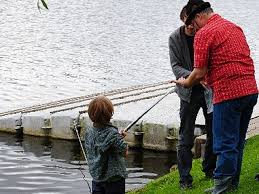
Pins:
x,y
207,11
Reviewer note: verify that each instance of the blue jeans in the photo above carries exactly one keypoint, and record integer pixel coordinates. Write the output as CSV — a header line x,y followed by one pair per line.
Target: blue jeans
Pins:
x,y
230,123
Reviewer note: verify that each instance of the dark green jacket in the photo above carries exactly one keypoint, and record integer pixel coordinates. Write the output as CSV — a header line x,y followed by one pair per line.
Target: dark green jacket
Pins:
x,y
105,150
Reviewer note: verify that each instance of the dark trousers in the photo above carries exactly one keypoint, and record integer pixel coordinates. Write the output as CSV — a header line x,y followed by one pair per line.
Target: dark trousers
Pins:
x,y
116,187
231,119
188,114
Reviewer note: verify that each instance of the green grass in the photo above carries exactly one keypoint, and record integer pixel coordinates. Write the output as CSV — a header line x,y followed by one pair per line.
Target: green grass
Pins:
x,y
168,184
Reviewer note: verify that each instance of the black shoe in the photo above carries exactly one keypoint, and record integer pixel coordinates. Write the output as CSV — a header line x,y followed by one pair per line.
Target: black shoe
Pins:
x,y
185,186
209,190
257,177
222,185
232,188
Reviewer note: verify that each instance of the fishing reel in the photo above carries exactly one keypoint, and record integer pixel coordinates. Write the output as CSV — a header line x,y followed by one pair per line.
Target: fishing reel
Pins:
x,y
77,126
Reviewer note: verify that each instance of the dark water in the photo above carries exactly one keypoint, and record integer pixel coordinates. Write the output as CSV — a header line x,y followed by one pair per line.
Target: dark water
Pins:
x,y
34,165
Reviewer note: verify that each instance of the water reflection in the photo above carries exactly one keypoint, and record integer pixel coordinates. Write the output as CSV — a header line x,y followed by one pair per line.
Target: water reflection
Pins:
x,y
152,162
43,165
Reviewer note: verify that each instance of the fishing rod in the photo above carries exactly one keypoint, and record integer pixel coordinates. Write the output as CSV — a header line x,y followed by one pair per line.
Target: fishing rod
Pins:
x,y
134,122
78,127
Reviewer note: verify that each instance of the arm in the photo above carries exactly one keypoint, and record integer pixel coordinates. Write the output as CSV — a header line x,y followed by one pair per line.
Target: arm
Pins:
x,y
195,77
202,45
120,145
116,143
178,69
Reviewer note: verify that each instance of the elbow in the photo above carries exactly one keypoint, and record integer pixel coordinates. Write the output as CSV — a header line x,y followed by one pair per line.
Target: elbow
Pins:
x,y
200,77
200,74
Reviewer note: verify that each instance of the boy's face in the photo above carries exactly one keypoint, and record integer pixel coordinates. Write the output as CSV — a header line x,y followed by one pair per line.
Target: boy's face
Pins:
x,y
189,29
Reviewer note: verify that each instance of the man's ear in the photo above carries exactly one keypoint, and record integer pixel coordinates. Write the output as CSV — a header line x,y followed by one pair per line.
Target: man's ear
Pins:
x,y
198,15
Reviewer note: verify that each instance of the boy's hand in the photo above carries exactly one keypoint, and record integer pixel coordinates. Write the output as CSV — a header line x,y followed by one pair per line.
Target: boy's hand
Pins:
x,y
123,132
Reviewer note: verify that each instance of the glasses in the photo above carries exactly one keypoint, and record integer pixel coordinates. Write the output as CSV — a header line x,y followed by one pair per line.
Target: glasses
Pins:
x,y
194,22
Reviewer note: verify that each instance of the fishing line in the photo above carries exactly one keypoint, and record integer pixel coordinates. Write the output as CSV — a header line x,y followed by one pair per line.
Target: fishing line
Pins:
x,y
76,128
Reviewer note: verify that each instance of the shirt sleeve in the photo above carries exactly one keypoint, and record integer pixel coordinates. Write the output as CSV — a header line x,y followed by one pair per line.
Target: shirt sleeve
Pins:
x,y
119,144
202,45
114,141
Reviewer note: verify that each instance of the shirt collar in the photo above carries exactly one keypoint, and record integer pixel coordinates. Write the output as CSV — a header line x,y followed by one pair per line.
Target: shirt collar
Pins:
x,y
213,18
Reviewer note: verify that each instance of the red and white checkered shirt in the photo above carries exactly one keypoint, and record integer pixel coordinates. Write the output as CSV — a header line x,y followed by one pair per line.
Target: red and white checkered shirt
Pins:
x,y
221,46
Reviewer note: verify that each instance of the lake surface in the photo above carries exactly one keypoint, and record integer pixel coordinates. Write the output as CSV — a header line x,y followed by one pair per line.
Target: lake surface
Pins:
x,y
33,165
81,47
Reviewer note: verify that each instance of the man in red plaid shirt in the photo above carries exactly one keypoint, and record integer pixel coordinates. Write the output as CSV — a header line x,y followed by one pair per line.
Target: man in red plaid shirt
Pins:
x,y
222,59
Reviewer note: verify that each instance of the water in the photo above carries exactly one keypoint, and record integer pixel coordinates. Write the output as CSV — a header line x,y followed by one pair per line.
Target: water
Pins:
x,y
80,47
34,165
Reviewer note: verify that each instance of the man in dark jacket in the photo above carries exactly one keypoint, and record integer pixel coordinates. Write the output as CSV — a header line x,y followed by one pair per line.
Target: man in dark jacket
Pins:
x,y
192,99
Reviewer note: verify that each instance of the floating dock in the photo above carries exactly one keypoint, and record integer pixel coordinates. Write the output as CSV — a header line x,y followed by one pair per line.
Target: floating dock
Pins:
x,y
55,125
51,119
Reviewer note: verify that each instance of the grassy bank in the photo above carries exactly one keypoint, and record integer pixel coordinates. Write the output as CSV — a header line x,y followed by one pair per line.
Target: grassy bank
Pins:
x,y
168,184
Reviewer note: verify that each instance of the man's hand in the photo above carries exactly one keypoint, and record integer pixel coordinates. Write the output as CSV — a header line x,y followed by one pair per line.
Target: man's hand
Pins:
x,y
194,78
181,81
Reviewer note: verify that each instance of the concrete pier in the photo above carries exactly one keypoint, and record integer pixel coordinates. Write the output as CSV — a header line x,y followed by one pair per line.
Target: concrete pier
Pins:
x,y
145,135
157,130
57,119
142,135
8,125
